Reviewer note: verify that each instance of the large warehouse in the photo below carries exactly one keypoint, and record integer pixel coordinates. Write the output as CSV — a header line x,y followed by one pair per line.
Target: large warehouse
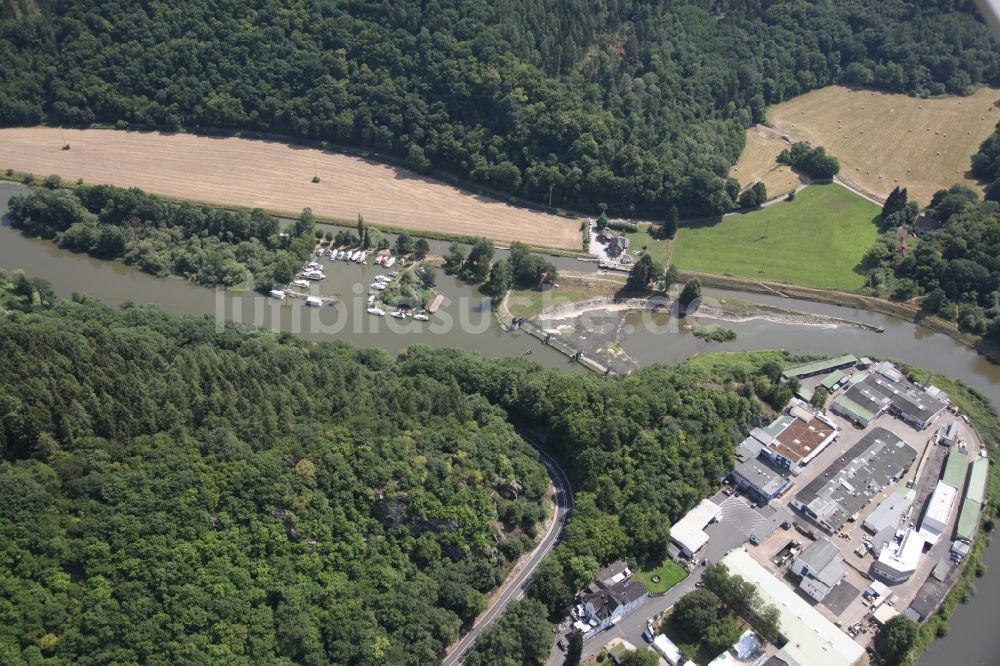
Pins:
x,y
878,459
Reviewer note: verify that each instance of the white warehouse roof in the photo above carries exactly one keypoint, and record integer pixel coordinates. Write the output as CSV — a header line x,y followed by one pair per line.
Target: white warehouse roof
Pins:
x,y
689,532
904,559
939,509
812,639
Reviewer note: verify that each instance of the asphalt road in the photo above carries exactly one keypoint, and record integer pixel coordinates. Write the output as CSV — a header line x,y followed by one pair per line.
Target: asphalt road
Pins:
x,y
515,588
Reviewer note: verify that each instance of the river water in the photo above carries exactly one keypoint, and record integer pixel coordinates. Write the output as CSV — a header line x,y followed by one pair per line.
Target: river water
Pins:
x,y
465,322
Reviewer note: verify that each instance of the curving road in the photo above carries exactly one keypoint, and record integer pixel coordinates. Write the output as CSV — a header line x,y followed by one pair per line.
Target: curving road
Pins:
x,y
514,588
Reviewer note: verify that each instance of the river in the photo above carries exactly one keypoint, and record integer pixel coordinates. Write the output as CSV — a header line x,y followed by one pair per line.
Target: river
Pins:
x,y
465,322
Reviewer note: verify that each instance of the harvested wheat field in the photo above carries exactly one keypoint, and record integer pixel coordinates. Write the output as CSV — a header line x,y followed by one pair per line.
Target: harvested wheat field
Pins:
x,y
885,140
757,163
277,177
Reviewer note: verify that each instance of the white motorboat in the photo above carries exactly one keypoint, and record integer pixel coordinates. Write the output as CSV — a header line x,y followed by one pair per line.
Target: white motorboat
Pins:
x,y
393,273
422,316
371,299
300,283
399,314
361,258
390,261
377,311
378,286
314,301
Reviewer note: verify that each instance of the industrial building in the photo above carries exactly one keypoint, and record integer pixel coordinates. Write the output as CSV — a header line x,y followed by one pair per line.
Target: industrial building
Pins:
x,y
891,511
975,495
792,440
757,477
864,401
687,536
811,638
877,460
821,566
949,436
898,561
954,469
938,513
820,367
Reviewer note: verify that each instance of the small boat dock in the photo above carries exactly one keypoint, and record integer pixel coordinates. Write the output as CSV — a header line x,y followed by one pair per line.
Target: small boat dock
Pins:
x,y
435,303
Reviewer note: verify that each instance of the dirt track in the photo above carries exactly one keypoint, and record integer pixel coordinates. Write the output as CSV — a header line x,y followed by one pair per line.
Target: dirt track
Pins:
x,y
276,176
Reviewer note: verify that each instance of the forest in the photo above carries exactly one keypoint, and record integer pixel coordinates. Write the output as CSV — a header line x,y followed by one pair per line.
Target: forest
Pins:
x,y
637,104
209,246
182,491
954,269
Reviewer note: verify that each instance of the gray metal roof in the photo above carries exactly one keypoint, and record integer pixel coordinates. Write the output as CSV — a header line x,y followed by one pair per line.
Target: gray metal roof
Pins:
x,y
911,402
819,554
761,475
861,473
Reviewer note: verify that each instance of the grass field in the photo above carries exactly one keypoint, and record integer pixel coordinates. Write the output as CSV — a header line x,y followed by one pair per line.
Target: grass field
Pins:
x,y
885,140
817,240
656,247
277,177
668,574
758,163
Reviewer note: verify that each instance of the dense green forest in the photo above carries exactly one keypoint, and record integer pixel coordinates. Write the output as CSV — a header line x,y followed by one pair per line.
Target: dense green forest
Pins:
x,y
955,269
209,246
176,493
635,103
986,165
183,492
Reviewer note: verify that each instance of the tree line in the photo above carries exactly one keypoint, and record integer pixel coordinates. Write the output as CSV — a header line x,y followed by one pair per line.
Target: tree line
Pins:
x,y
637,104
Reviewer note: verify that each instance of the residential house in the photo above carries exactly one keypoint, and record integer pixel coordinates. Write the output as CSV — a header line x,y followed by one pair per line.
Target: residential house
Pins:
x,y
611,596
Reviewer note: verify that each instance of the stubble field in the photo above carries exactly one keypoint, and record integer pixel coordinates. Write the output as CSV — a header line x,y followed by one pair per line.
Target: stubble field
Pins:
x,y
277,177
758,163
884,140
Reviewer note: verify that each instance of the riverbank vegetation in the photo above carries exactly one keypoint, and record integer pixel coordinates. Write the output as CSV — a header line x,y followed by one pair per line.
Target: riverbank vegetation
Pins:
x,y
177,492
817,240
634,104
208,246
953,268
